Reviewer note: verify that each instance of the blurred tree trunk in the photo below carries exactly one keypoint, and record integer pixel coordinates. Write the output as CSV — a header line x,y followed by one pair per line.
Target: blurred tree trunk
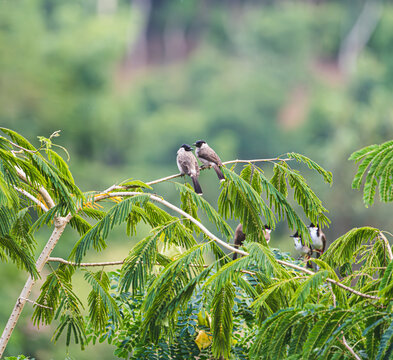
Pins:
x,y
357,38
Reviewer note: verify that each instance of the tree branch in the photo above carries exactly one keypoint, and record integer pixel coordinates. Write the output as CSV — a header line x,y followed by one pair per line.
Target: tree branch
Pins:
x,y
60,224
174,176
44,193
179,211
66,262
293,266
233,249
344,342
226,245
35,303
32,198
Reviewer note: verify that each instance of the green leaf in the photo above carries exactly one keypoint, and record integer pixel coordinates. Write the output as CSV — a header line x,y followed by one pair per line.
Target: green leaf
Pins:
x,y
385,350
312,283
210,212
18,139
222,320
239,199
327,175
99,232
323,330
343,249
138,265
102,306
135,183
386,285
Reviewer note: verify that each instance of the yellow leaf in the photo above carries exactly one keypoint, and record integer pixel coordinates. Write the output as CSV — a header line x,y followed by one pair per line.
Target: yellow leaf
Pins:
x,y
203,340
93,205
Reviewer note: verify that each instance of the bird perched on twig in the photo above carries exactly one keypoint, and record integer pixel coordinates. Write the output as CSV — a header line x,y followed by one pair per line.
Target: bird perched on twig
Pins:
x,y
240,236
188,165
209,157
302,248
318,239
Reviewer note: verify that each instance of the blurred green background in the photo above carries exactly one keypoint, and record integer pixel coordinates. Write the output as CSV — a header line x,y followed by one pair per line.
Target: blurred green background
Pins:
x,y
127,82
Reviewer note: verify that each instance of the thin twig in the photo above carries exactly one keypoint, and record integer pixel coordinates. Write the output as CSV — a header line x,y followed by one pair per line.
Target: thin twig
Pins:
x,y
293,266
344,342
35,303
32,198
387,245
18,146
174,176
254,160
44,193
66,262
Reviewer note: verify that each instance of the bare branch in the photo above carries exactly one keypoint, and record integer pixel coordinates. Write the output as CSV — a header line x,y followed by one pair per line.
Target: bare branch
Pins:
x,y
35,303
18,146
344,342
32,198
254,161
66,262
60,224
174,176
179,211
44,193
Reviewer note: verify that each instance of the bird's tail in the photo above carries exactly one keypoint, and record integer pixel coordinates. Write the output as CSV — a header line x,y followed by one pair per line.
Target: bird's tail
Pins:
x,y
197,187
219,173
234,257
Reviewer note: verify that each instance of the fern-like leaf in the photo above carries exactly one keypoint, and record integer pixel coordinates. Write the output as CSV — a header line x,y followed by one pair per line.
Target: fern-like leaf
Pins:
x,y
343,249
102,306
312,283
385,349
222,320
327,175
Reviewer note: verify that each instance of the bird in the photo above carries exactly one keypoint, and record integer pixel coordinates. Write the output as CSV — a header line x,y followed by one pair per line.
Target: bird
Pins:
x,y
209,157
302,248
240,236
188,165
318,239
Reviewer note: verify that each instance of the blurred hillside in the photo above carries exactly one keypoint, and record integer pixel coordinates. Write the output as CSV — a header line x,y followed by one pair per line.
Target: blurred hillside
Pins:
x,y
127,82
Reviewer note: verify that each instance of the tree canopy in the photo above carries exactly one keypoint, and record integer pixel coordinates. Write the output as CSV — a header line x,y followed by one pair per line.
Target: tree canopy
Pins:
x,y
196,300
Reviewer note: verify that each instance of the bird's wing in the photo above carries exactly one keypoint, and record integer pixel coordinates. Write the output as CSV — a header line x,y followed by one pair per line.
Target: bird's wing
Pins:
x,y
323,243
184,163
188,163
209,154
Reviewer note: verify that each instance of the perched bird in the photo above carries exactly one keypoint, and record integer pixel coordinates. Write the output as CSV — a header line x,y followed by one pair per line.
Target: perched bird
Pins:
x,y
240,236
302,248
188,165
209,157
318,239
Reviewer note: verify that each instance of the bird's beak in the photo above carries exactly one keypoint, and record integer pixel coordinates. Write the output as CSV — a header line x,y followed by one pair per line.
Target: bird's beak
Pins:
x,y
194,144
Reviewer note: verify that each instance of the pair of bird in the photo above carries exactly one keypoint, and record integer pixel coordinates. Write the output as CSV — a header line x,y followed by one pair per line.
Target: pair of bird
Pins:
x,y
188,164
318,243
317,236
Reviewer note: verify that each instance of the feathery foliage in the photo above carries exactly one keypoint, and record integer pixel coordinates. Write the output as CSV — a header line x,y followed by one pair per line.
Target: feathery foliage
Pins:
x,y
222,320
198,302
102,306
377,162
